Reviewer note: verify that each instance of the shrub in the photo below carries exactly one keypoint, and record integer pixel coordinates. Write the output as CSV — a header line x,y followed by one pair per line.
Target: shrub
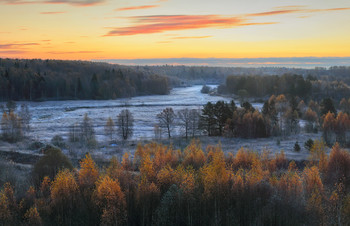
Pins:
x,y
58,141
36,145
308,144
49,165
205,89
297,147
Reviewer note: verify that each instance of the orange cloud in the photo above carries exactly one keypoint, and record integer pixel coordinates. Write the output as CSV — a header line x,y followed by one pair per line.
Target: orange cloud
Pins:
x,y
163,23
50,13
294,9
137,7
275,12
327,10
69,2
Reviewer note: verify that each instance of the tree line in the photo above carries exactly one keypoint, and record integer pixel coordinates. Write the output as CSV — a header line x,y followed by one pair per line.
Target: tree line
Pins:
x,y
37,80
304,87
34,79
163,186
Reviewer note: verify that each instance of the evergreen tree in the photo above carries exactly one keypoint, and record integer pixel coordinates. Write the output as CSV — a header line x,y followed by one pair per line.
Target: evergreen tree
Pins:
x,y
208,120
328,106
94,85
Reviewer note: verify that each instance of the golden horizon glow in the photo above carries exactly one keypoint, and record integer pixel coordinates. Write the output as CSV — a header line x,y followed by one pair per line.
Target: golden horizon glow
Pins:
x,y
108,29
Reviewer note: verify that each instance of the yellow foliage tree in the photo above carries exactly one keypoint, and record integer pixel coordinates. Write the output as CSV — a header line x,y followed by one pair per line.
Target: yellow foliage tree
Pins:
x,y
5,212
318,155
126,162
215,176
114,169
147,169
244,159
312,180
32,217
194,155
64,196
166,177
45,186
88,173
110,198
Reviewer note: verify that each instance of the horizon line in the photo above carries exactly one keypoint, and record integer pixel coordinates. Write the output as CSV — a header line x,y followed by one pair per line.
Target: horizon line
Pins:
x,y
293,62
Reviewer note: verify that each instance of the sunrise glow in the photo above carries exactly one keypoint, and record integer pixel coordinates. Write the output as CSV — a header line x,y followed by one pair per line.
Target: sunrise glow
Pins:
x,y
108,29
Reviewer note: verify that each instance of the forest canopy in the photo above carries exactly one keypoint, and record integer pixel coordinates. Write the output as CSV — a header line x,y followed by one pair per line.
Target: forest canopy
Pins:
x,y
56,80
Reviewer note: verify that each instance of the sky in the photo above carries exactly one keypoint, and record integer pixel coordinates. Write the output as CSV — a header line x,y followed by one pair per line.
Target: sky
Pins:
x,y
147,29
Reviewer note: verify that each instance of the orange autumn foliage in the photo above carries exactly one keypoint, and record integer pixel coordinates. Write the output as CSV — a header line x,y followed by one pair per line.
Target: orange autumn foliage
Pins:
x,y
147,169
291,184
338,167
110,198
214,175
64,188
312,180
256,174
166,177
244,159
5,210
187,182
88,173
126,162
194,155
32,217
114,169
318,155
165,156
45,186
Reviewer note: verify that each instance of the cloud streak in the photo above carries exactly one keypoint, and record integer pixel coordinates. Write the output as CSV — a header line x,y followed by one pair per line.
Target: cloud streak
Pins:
x,y
51,13
69,2
17,45
163,23
10,52
137,7
294,9
274,12
192,37
72,52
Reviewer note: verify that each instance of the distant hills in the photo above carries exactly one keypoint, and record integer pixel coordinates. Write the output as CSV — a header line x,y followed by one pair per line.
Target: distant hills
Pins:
x,y
299,62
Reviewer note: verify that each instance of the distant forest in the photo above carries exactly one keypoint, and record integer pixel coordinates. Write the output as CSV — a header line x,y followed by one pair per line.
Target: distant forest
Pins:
x,y
36,80
57,80
308,87
218,75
